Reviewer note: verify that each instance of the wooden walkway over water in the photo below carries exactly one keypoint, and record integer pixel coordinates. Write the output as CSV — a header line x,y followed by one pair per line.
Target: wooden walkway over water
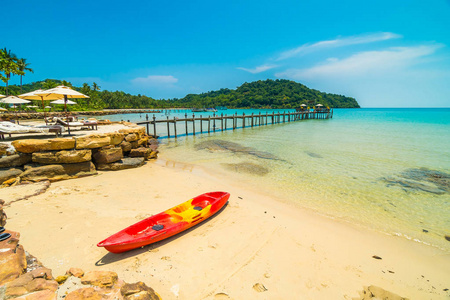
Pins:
x,y
223,122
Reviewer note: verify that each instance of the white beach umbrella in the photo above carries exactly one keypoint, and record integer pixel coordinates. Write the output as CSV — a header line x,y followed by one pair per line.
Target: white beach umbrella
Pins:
x,y
62,101
303,105
1,96
64,91
3,109
34,96
14,100
319,104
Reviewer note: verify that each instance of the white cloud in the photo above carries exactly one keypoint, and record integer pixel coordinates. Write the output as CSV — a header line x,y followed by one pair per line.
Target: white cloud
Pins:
x,y
340,42
155,80
258,69
364,63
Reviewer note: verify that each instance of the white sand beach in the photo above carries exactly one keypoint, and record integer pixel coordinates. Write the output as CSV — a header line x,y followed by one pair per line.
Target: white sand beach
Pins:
x,y
256,248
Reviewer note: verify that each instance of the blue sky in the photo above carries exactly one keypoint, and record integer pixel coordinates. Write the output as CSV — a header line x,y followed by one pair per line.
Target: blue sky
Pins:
x,y
383,53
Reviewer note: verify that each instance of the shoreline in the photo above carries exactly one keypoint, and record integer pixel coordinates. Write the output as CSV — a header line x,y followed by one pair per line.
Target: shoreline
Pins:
x,y
255,242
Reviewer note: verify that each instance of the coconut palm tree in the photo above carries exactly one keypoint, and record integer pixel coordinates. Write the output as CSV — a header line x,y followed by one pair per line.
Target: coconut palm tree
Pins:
x,y
95,87
8,65
49,84
22,66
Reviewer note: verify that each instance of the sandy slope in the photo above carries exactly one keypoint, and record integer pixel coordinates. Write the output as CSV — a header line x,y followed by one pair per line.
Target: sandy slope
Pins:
x,y
256,248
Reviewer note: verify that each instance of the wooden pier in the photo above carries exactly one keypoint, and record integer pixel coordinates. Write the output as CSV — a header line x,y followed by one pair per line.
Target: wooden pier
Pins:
x,y
230,122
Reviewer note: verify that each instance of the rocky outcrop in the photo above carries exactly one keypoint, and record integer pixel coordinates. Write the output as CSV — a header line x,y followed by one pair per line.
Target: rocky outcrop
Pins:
x,y
23,277
62,157
125,163
58,172
66,158
15,160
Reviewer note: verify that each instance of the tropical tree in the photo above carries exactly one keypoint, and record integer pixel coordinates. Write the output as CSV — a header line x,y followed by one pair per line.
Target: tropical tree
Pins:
x,y
8,65
22,66
95,87
66,83
49,84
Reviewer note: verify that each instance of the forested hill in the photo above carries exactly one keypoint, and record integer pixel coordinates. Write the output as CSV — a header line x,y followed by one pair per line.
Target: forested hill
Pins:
x,y
259,94
278,93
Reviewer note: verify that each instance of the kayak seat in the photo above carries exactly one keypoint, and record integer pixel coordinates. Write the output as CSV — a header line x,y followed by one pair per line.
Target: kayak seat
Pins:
x,y
157,227
199,208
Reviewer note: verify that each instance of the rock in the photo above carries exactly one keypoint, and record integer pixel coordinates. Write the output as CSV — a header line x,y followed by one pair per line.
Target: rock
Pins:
x,y
13,261
3,216
154,154
116,138
14,292
134,144
42,272
8,174
61,279
84,294
75,272
3,149
15,160
106,156
141,152
126,146
139,130
62,157
124,163
447,237
100,278
131,137
143,141
35,145
92,141
39,284
59,172
139,291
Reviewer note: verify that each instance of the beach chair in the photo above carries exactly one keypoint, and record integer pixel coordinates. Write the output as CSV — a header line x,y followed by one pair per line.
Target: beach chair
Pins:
x,y
11,128
90,124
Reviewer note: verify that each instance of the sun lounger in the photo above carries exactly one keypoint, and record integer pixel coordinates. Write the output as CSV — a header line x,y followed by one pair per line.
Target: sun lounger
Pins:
x,y
90,124
11,128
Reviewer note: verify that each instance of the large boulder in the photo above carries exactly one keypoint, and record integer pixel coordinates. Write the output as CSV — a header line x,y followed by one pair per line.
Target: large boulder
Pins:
x,y
15,160
35,145
124,163
62,157
13,261
59,172
100,278
92,141
143,141
84,294
139,130
141,152
8,174
107,155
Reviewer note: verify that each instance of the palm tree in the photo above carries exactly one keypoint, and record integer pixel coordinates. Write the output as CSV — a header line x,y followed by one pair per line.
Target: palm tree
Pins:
x,y
49,84
66,83
8,65
22,66
95,87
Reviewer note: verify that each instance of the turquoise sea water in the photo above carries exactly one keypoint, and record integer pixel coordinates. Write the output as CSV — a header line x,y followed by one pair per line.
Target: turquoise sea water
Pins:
x,y
386,169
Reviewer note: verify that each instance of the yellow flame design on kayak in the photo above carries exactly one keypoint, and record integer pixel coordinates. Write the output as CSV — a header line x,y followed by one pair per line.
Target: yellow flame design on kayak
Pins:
x,y
185,212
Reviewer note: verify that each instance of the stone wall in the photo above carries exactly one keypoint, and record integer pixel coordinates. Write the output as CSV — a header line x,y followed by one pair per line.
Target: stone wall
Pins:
x,y
56,159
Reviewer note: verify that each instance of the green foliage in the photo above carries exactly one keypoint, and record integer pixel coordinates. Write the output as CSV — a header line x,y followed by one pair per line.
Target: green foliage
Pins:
x,y
259,94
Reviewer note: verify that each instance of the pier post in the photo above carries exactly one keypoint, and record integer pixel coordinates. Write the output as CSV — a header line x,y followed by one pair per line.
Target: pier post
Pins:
x,y
243,120
154,126
193,124
214,122
175,126
209,124
221,121
168,127
201,124
185,119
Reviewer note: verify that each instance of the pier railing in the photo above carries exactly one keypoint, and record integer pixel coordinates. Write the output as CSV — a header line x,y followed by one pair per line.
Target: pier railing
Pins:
x,y
230,122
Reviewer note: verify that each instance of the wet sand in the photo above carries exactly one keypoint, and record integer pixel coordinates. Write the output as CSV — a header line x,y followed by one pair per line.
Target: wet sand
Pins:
x,y
255,248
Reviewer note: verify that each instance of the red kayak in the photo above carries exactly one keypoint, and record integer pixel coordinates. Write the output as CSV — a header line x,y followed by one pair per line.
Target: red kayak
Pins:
x,y
167,223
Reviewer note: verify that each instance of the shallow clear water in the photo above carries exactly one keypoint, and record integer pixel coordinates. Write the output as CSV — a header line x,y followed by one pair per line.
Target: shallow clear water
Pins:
x,y
362,166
